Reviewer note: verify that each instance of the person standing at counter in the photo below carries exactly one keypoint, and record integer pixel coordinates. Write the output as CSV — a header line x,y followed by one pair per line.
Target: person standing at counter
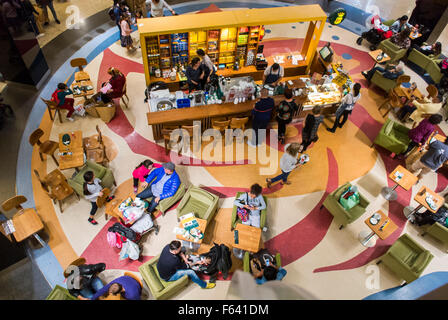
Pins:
x,y
207,65
347,104
261,114
273,74
285,112
157,8
195,74
309,131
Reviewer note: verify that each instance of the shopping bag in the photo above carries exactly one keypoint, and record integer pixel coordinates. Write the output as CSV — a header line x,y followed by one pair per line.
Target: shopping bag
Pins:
x,y
349,198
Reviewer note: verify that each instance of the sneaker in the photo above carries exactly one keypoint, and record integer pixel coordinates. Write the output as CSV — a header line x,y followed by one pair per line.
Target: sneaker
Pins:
x,y
70,119
40,35
110,198
210,285
135,190
364,73
93,221
58,22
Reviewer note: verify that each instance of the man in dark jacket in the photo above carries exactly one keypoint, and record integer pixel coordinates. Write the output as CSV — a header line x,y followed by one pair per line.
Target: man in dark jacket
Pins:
x,y
261,115
165,185
28,10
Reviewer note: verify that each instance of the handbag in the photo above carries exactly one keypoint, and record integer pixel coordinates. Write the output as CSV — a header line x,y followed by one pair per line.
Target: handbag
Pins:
x,y
349,198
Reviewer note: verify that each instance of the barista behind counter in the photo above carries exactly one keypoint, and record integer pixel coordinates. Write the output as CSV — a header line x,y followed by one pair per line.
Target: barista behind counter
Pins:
x,y
273,74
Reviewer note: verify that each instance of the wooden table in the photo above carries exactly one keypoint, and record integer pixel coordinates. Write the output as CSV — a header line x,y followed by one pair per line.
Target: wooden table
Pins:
x,y
383,229
193,245
408,93
27,223
112,207
373,54
248,240
81,76
83,93
406,182
420,197
76,159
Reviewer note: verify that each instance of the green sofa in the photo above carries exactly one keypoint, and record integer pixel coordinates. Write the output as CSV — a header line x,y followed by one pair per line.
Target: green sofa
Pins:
x,y
438,231
427,63
406,258
102,173
342,216
235,219
393,136
393,51
382,82
159,288
246,261
60,293
202,203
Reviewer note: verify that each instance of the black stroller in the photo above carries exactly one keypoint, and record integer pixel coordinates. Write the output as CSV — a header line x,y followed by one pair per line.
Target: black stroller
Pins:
x,y
372,36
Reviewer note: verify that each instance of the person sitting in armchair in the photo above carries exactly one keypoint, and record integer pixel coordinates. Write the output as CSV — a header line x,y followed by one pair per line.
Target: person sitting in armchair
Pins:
x,y
391,71
263,267
82,279
165,185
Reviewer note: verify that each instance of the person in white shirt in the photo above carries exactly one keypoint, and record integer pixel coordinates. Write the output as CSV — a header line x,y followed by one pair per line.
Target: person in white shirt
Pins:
x,y
92,189
157,8
288,162
206,61
347,104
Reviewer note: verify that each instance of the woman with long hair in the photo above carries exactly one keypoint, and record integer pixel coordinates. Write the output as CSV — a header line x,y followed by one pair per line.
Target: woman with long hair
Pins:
x,y
141,172
116,81
345,109
288,162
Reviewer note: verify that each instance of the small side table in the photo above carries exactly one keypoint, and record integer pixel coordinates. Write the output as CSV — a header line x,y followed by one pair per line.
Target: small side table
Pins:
x,y
420,198
383,228
192,245
406,181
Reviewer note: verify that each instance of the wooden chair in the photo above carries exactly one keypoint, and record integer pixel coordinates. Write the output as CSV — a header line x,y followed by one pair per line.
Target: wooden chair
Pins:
x,y
221,126
190,130
95,149
14,202
432,91
166,132
393,101
52,105
125,95
81,74
48,147
56,186
238,123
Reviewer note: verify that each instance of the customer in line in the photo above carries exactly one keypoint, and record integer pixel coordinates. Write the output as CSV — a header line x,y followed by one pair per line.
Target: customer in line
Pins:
x,y
432,160
309,131
420,134
273,74
195,74
173,265
392,71
288,162
120,9
165,185
157,7
125,23
253,202
345,109
48,3
261,115
59,96
285,112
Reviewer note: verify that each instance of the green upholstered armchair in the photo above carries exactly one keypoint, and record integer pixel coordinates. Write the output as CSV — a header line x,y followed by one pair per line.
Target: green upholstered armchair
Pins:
x,y
167,203
202,203
438,231
341,215
102,173
159,288
393,51
246,261
382,82
427,63
393,136
406,258
60,293
235,219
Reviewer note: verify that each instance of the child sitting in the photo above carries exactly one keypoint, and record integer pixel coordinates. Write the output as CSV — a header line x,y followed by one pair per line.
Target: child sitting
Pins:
x,y
142,171
199,262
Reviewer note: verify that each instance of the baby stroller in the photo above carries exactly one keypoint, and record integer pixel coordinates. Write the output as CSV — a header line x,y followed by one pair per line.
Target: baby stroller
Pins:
x,y
379,32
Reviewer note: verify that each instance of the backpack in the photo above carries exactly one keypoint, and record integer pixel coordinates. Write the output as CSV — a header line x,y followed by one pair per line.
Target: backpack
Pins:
x,y
126,232
111,14
54,96
225,263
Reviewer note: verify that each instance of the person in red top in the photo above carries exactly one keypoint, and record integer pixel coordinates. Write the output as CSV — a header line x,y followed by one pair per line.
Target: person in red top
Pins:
x,y
59,96
117,82
141,172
